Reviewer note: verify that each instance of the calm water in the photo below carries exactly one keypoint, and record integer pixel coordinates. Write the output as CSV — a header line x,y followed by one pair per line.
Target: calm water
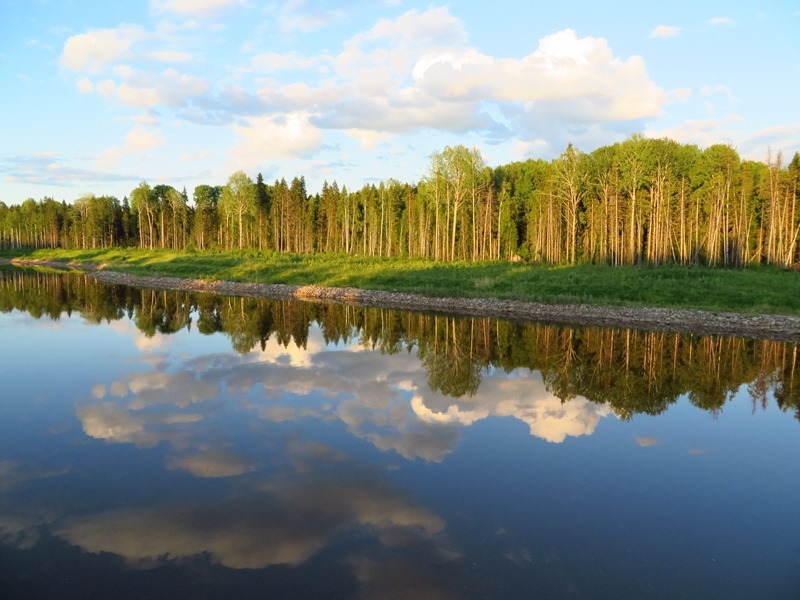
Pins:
x,y
163,445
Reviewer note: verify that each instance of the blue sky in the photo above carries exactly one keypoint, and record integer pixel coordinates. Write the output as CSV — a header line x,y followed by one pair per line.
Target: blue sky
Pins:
x,y
96,98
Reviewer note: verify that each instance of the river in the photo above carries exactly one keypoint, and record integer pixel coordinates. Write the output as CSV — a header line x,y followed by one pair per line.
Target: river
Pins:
x,y
162,444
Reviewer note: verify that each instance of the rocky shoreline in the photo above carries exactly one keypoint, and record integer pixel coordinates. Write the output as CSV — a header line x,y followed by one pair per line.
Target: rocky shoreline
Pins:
x,y
771,327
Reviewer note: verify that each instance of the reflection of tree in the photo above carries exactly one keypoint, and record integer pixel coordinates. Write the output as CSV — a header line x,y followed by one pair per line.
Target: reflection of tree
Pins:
x,y
633,372
449,359
162,312
787,381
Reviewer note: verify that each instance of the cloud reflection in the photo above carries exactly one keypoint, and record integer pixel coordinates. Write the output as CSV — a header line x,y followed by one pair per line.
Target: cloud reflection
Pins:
x,y
211,463
646,442
384,399
115,422
280,524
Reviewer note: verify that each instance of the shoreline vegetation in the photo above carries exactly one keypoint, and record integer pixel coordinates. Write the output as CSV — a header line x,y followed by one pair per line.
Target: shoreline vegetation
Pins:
x,y
761,302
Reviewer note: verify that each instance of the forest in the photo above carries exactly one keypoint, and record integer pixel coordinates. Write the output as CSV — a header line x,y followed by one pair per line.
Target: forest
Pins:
x,y
640,201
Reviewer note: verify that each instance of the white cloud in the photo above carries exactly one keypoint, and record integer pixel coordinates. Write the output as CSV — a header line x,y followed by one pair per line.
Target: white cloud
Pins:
x,y
720,89
85,86
403,75
664,31
137,140
433,27
273,137
680,94
720,21
531,149
368,139
563,67
38,43
703,132
759,144
170,88
148,117
193,8
46,169
96,49
106,87
306,17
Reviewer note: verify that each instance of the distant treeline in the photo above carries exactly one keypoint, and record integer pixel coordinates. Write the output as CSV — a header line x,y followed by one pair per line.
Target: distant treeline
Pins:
x,y
638,201
631,371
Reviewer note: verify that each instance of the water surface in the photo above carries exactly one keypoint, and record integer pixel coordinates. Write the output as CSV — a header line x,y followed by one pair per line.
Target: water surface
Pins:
x,y
156,444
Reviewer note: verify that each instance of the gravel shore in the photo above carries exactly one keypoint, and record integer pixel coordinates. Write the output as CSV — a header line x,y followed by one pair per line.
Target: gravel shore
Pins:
x,y
771,327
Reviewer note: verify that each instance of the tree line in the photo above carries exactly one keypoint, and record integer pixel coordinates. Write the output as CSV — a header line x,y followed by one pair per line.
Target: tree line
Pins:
x,y
640,201
634,372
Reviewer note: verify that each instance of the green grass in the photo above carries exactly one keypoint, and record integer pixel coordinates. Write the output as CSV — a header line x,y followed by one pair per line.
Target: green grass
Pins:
x,y
753,290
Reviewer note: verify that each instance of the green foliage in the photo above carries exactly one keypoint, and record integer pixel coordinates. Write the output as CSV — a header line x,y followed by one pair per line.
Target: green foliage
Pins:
x,y
638,202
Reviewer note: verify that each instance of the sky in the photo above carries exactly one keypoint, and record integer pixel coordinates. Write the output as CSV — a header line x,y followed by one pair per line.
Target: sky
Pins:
x,y
97,97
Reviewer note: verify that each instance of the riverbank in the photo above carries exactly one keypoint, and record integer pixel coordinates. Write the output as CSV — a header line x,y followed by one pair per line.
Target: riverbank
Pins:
x,y
701,322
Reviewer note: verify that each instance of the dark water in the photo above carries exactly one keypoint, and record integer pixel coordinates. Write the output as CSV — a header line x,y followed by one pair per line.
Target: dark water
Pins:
x,y
170,445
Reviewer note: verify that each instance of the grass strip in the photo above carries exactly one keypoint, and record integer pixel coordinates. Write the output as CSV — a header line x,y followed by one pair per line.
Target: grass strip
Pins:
x,y
760,289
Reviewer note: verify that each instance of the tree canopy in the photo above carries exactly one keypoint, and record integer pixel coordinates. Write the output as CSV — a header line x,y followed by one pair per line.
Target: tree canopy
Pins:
x,y
637,201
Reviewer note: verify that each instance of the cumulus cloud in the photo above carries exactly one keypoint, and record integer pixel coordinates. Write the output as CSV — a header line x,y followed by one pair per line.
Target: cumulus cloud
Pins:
x,y
406,74
563,67
274,137
96,49
368,139
106,87
664,31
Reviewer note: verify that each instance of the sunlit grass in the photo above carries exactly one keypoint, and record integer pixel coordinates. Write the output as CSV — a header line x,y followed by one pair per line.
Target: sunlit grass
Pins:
x,y
758,289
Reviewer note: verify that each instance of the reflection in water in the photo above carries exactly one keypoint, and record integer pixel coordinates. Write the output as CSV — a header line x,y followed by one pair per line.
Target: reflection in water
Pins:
x,y
282,523
278,470
629,371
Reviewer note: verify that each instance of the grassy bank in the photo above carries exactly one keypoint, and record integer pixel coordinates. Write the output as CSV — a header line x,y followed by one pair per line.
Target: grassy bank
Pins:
x,y
753,290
